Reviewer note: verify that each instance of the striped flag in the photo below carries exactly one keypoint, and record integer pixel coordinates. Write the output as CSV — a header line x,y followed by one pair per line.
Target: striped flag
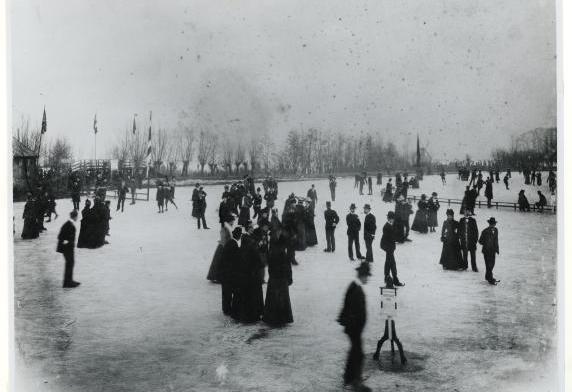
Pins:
x,y
95,123
134,127
44,122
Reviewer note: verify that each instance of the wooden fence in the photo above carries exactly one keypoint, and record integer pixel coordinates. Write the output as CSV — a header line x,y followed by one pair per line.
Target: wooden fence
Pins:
x,y
482,204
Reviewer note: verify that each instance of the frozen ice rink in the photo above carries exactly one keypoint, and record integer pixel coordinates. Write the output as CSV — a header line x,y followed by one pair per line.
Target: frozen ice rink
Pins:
x,y
146,319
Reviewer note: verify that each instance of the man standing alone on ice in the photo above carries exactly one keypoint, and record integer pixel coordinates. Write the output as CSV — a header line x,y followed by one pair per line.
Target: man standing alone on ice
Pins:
x,y
369,228
66,246
331,217
333,187
353,318
490,242
133,189
388,245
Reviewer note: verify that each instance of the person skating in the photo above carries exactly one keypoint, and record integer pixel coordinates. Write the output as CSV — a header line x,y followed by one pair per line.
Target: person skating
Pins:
x,y
369,228
469,235
443,179
451,258
66,246
541,203
388,194
505,180
227,221
251,304
159,197
369,186
354,226
313,196
523,204
199,206
353,318
490,247
257,203
332,219
333,184
133,186
387,244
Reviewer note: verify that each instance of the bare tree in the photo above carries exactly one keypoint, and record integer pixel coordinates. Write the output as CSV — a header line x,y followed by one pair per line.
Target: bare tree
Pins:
x,y
159,149
186,143
239,156
212,153
203,149
120,150
254,154
137,149
227,154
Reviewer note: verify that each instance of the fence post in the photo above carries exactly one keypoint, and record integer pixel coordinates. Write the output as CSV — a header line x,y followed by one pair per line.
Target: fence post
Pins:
x,y
479,204
497,205
448,202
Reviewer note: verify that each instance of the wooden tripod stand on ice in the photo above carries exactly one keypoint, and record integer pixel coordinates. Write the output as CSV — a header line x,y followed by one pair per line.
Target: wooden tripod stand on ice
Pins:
x,y
389,297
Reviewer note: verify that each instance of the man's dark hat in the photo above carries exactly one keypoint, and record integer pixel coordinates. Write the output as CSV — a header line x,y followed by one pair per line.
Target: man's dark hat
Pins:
x,y
364,269
492,220
450,212
391,215
237,232
352,206
434,194
329,203
367,207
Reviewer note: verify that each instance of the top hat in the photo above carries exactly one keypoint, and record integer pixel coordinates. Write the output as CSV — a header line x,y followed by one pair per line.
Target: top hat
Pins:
x,y
363,269
352,206
450,212
492,220
367,207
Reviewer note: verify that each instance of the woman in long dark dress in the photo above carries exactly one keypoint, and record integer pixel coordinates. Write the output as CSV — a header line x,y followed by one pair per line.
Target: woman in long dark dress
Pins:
x,y
244,216
86,225
225,235
451,258
278,309
388,195
523,204
251,304
433,206
420,222
300,227
30,217
311,236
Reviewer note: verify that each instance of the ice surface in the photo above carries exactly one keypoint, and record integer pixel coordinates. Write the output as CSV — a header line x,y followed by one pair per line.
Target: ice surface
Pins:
x,y
146,319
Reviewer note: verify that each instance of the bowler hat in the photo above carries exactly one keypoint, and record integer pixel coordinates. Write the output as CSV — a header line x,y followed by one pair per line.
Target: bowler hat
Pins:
x,y
329,203
363,269
352,206
434,194
367,207
492,220
391,215
450,212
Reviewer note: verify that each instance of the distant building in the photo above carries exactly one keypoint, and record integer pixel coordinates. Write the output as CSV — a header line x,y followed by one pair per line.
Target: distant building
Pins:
x,y
24,164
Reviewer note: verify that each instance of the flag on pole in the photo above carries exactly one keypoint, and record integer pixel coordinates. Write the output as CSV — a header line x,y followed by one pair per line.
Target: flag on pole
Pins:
x,y
44,122
95,123
149,139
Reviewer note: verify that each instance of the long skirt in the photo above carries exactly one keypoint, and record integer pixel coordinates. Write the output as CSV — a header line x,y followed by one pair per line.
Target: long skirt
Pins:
x,y
399,230
420,222
214,270
432,219
451,257
251,304
277,309
244,216
388,197
300,236
30,229
82,239
311,237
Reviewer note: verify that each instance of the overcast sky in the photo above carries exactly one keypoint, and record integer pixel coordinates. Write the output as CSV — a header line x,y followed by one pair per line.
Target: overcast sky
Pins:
x,y
465,75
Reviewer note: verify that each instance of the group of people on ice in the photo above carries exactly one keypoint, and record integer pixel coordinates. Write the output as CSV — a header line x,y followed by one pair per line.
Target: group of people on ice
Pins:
x,y
38,206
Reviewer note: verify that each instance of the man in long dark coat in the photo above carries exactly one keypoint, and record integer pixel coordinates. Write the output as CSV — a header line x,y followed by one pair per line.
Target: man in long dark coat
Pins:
x,y
469,235
387,243
75,194
30,216
66,246
251,306
541,203
489,191
133,186
231,260
490,241
354,226
121,195
332,219
353,318
313,196
369,228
